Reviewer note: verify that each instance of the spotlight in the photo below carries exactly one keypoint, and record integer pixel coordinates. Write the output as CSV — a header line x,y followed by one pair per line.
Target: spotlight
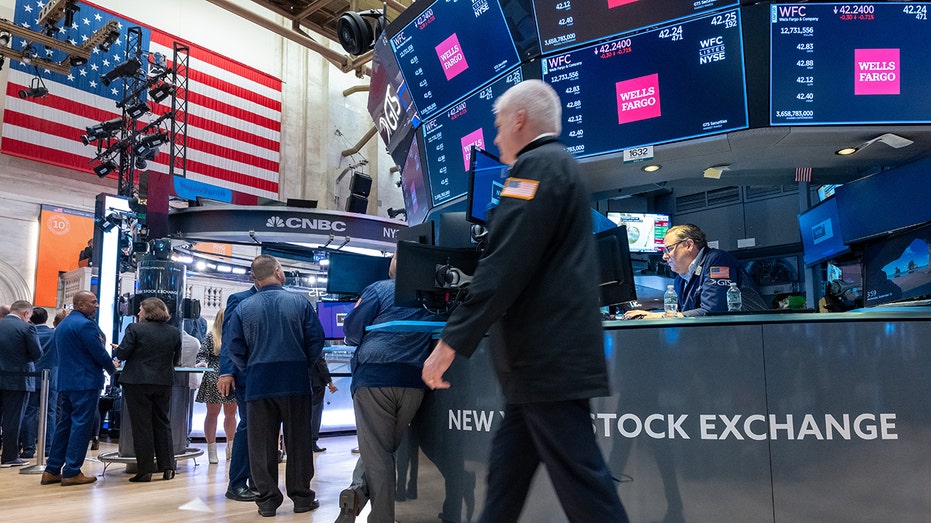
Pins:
x,y
5,39
124,70
2,61
356,34
150,141
105,168
70,9
76,61
29,54
112,220
102,130
137,110
112,36
33,92
149,155
161,92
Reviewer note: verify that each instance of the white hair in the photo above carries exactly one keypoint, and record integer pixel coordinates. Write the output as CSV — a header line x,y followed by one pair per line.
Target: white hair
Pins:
x,y
539,100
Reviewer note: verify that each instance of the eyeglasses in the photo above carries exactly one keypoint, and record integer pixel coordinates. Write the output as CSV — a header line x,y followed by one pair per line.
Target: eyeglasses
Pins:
x,y
669,248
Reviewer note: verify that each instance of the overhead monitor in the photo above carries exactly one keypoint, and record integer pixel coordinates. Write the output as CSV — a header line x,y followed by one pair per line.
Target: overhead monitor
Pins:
x,y
348,273
444,56
677,82
645,231
568,23
617,272
850,63
486,179
897,267
821,228
414,184
448,138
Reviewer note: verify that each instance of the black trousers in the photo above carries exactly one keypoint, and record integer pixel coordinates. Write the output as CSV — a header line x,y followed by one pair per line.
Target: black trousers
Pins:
x,y
265,417
559,435
12,404
148,415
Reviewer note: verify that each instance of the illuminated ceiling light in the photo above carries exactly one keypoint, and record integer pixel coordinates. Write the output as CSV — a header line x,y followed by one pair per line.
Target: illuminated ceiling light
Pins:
x,y
651,168
846,151
714,172
239,270
224,268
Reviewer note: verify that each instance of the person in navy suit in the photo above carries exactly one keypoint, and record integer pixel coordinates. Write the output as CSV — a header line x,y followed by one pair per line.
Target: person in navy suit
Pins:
x,y
82,362
29,432
151,349
19,348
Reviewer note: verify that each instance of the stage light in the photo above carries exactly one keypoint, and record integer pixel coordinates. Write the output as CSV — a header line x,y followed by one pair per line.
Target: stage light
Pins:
x,y
4,39
105,168
2,61
149,155
29,54
356,34
126,69
33,92
112,36
161,92
136,110
112,220
150,141
76,61
102,130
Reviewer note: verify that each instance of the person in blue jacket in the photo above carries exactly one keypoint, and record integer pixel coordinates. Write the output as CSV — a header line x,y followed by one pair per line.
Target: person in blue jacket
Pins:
x,y
703,275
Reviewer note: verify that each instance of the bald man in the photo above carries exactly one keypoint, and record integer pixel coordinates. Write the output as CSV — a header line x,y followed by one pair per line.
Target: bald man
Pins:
x,y
82,362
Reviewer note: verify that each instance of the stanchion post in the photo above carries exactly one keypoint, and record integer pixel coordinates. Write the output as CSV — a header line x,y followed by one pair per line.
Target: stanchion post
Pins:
x,y
39,467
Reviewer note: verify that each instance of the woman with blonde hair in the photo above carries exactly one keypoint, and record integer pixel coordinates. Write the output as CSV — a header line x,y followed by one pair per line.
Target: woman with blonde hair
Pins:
x,y
209,356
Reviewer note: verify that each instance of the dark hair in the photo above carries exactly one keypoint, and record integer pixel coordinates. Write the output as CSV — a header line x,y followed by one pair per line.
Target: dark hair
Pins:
x,y
39,316
688,231
154,309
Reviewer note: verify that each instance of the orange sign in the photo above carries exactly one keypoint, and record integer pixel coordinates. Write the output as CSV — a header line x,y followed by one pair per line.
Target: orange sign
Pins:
x,y
63,234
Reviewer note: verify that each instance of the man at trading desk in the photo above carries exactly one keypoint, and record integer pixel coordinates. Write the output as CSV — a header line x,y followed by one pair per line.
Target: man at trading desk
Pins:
x,y
703,275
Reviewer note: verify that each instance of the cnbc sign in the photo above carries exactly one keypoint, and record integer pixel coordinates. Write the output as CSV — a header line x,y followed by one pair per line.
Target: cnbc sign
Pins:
x,y
304,224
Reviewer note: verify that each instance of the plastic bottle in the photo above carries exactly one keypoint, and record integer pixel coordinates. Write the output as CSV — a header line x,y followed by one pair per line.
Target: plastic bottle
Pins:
x,y
734,300
670,302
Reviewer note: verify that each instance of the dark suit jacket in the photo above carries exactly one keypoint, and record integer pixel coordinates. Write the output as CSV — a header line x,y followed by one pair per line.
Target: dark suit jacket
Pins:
x,y
226,365
151,350
19,347
81,356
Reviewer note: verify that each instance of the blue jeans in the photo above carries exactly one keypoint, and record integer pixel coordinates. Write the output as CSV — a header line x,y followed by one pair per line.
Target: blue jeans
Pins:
x,y
29,432
239,460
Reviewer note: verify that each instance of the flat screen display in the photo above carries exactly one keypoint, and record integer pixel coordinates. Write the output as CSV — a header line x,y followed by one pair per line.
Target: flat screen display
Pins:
x,y
348,274
645,232
332,314
897,268
850,63
617,273
390,102
677,82
444,56
567,23
486,179
448,138
821,228
415,185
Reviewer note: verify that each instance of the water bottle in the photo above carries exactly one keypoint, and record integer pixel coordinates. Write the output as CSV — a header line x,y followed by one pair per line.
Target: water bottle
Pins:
x,y
670,302
734,301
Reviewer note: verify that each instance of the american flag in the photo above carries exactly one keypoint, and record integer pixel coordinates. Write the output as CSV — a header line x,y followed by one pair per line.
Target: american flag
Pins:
x,y
234,111
803,174
520,188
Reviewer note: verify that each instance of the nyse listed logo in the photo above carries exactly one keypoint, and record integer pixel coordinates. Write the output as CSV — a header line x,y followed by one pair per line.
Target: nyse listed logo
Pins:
x,y
876,71
712,50
314,224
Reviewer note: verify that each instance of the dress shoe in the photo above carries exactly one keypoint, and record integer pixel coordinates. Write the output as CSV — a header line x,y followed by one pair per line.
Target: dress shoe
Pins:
x,y
267,512
48,478
141,478
80,479
348,506
314,505
13,463
95,444
27,454
240,494
168,474
319,448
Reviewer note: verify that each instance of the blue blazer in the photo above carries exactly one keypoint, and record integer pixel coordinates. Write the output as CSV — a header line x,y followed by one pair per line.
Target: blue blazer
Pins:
x,y
81,355
19,347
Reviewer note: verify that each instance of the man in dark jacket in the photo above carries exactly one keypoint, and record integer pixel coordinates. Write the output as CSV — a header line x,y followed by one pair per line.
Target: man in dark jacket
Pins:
x,y
275,339
19,347
28,434
82,362
535,288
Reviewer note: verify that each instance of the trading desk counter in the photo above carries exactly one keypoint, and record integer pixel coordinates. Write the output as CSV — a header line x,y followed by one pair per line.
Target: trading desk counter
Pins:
x,y
782,417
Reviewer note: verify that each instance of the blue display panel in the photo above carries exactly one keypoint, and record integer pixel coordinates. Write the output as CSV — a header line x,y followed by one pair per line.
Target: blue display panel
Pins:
x,y
486,180
449,137
451,49
820,228
331,315
677,82
565,23
850,63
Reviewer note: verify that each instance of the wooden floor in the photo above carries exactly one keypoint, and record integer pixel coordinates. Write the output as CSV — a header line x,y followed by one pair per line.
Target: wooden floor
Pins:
x,y
196,493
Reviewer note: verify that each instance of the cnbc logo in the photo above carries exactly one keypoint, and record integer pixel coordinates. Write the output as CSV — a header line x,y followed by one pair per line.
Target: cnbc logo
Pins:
x,y
316,224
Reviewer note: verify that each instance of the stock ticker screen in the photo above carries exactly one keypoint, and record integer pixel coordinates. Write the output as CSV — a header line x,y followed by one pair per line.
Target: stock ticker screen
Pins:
x,y
449,137
680,81
564,23
452,48
850,63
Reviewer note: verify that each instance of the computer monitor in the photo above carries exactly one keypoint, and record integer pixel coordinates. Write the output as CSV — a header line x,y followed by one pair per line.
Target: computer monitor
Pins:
x,y
897,267
332,314
822,236
486,179
422,275
617,272
349,273
453,230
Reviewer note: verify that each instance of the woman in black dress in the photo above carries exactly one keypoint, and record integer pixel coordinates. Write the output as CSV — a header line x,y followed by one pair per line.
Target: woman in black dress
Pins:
x,y
209,356
150,349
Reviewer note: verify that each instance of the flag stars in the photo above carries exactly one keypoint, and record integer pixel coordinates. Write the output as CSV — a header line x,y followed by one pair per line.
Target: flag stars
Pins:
x,y
71,77
94,67
97,17
93,84
28,8
86,21
84,72
105,62
114,91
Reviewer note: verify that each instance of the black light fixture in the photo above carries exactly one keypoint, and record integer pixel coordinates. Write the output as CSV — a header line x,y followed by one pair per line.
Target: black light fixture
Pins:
x,y
76,61
102,130
112,36
356,34
110,221
162,91
150,141
5,38
70,9
136,110
2,61
105,168
126,69
36,89
142,160
29,54
394,213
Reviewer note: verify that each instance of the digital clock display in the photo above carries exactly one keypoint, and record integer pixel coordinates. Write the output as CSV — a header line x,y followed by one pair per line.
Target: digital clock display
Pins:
x,y
680,81
449,137
850,63
452,48
567,23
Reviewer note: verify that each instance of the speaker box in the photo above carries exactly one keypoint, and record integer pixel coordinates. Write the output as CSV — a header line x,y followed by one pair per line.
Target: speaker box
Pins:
x,y
357,204
361,184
